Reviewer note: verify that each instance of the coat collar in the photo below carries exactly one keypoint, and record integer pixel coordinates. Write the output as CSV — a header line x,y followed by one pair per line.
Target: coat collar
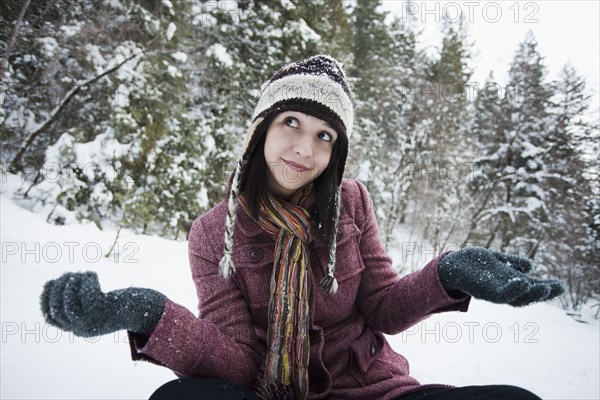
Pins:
x,y
246,224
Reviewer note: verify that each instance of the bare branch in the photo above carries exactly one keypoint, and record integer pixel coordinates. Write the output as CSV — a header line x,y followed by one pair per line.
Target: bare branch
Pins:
x,y
13,40
15,163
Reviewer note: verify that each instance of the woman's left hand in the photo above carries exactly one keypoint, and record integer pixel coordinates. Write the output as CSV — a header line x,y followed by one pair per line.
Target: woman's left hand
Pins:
x,y
496,277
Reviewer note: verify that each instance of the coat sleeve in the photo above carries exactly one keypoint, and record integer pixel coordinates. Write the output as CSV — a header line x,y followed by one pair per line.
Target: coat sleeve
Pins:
x,y
221,342
389,302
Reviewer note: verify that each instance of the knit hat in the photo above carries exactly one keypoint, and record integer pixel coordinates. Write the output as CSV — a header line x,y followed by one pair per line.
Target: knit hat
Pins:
x,y
315,86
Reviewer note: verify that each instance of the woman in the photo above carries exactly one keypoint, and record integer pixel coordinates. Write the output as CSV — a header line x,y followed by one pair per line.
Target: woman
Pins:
x,y
295,288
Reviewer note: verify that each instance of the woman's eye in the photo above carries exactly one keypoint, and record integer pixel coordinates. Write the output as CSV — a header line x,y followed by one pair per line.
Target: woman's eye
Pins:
x,y
291,121
328,137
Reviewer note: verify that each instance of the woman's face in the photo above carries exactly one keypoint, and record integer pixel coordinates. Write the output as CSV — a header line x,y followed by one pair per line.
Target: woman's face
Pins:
x,y
297,149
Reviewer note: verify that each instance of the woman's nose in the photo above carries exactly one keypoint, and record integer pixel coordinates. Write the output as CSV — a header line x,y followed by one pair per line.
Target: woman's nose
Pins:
x,y
303,146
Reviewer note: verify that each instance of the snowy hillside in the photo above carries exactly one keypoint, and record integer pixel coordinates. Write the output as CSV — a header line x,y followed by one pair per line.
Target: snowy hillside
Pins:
x,y
537,347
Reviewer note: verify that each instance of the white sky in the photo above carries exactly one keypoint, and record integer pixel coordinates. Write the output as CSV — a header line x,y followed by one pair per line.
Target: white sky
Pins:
x,y
565,31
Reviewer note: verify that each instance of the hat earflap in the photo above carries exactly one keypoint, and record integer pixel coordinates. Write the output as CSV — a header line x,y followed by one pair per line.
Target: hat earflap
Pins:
x,y
226,265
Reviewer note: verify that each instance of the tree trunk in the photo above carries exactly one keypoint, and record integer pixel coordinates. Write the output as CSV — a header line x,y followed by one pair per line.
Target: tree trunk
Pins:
x,y
12,41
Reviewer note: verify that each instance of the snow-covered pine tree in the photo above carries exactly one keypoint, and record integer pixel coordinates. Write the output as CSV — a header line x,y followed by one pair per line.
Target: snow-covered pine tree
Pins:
x,y
330,19
161,133
122,148
44,88
513,216
63,78
486,134
384,77
164,178
442,174
401,99
571,173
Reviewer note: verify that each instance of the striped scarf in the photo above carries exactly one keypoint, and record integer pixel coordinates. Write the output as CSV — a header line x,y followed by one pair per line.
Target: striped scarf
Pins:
x,y
285,373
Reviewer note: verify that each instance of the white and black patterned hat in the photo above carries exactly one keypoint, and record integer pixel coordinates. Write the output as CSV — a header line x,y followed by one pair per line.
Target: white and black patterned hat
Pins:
x,y
315,86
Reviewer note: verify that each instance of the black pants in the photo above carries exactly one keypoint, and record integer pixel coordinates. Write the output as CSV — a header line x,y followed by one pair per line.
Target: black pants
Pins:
x,y
220,389
202,389
488,392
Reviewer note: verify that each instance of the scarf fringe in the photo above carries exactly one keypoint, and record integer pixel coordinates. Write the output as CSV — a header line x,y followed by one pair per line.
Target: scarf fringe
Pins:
x,y
275,391
285,370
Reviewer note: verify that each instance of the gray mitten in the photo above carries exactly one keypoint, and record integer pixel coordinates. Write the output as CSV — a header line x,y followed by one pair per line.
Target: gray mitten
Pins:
x,y
496,277
74,302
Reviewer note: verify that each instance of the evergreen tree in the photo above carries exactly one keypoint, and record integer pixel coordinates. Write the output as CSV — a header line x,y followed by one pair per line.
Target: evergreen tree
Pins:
x,y
42,85
571,201
162,132
127,121
486,135
331,21
441,155
516,210
370,48
384,76
534,181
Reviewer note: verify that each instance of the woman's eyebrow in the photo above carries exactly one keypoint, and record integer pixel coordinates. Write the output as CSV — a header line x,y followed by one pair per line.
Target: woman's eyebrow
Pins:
x,y
327,125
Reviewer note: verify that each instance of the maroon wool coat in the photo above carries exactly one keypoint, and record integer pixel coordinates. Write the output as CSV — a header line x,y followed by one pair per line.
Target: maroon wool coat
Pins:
x,y
349,356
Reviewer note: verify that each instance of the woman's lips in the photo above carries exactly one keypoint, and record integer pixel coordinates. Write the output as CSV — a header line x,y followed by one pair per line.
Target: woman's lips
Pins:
x,y
296,166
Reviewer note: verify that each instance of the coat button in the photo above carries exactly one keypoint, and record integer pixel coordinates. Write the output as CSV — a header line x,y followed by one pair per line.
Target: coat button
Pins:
x,y
339,232
255,254
373,348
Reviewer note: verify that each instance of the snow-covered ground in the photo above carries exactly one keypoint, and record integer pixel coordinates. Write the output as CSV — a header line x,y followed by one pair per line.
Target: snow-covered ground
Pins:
x,y
538,347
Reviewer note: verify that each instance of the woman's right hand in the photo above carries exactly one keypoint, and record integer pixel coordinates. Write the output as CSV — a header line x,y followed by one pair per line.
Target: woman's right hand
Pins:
x,y
74,302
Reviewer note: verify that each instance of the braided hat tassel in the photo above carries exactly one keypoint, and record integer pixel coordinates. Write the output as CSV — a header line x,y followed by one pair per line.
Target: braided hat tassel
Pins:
x,y
329,283
226,266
